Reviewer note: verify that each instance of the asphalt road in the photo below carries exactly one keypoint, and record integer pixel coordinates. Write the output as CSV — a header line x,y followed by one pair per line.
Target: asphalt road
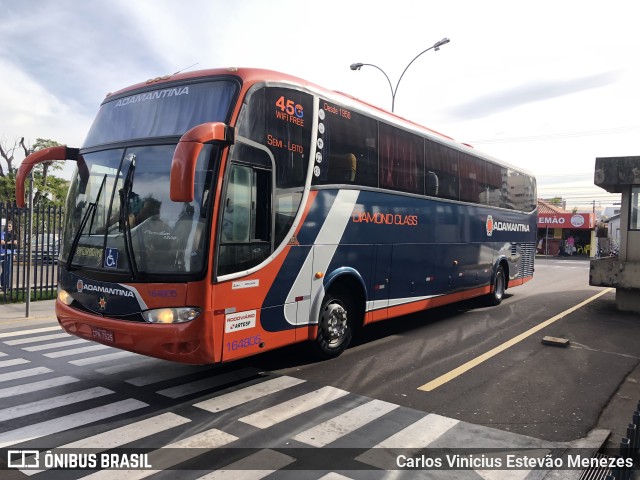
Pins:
x,y
547,392
496,385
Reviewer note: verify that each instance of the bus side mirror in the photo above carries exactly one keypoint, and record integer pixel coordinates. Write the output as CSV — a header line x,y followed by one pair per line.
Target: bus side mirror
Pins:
x,y
47,155
185,157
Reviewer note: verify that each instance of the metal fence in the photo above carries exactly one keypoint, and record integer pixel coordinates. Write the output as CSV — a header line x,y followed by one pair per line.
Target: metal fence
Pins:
x,y
39,270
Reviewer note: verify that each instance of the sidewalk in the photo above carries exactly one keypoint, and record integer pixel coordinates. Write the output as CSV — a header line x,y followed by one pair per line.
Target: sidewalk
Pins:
x,y
16,311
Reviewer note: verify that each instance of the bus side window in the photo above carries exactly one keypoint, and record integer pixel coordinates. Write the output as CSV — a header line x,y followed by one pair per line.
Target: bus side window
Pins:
x,y
342,168
246,232
348,148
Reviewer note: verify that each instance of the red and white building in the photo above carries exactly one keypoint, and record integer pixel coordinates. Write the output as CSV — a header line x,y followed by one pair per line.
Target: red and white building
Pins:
x,y
556,225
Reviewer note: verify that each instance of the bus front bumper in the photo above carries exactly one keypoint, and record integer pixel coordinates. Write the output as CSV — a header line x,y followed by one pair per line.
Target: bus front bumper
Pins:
x,y
180,342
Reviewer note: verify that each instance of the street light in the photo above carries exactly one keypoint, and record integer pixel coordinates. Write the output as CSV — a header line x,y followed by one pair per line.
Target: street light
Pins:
x,y
436,46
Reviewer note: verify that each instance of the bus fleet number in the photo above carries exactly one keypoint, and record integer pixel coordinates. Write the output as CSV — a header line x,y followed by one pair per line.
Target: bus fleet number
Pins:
x,y
244,343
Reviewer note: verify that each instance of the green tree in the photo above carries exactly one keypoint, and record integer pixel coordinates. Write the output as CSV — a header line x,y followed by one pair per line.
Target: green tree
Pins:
x,y
47,187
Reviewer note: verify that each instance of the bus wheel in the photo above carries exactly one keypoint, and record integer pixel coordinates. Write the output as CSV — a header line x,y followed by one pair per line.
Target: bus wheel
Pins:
x,y
335,325
499,286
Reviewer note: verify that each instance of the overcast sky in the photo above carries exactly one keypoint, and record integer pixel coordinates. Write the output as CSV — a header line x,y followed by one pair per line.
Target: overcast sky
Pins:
x,y
545,85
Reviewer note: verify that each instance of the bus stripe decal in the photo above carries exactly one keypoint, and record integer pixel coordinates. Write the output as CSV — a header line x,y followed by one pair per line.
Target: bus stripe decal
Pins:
x,y
318,259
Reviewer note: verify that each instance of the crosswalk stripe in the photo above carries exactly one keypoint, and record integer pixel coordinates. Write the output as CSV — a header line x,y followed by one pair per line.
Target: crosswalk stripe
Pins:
x,y
67,422
247,394
124,435
130,433
284,411
207,383
36,386
102,358
511,474
337,427
180,452
5,377
421,433
2,354
415,437
51,346
268,461
13,361
334,476
28,332
51,403
42,338
76,351
166,373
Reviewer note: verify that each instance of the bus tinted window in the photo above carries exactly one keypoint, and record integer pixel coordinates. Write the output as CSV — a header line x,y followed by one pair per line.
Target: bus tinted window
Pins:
x,y
347,147
401,160
495,175
472,178
280,119
520,192
441,167
165,111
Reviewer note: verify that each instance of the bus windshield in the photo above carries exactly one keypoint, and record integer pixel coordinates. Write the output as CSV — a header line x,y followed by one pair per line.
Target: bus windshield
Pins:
x,y
121,219
163,112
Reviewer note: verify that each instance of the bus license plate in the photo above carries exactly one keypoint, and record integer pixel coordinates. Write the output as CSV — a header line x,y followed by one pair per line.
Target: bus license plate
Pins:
x,y
102,334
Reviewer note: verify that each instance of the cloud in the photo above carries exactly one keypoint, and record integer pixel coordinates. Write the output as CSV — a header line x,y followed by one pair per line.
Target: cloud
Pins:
x,y
73,49
530,93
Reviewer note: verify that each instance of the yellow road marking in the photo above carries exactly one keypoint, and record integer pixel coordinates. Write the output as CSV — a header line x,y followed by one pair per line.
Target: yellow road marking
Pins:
x,y
433,384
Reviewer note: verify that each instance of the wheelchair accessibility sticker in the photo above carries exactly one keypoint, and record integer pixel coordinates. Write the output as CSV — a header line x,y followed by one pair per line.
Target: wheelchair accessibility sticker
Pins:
x,y
111,258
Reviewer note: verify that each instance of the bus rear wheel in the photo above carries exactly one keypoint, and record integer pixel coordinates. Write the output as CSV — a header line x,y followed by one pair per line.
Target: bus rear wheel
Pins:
x,y
335,325
498,288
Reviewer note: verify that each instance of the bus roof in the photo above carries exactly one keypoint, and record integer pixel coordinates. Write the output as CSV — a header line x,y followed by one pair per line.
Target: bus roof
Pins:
x,y
252,76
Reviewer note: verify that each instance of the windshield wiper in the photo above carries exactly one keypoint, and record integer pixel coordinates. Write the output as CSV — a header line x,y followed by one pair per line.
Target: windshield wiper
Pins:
x,y
123,219
125,193
91,209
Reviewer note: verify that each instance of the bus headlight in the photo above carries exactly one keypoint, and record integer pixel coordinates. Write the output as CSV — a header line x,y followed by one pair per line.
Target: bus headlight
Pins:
x,y
65,297
171,315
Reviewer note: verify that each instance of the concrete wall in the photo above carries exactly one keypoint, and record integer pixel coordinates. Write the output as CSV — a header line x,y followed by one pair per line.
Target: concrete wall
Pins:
x,y
619,175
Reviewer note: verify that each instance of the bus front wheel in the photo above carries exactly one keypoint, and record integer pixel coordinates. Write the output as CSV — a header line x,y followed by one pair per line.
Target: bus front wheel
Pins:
x,y
335,325
498,288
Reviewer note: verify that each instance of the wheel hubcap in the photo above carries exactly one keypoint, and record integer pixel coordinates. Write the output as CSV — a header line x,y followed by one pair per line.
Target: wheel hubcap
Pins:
x,y
334,322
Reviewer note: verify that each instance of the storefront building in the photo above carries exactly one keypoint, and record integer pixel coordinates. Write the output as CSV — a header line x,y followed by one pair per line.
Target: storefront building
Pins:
x,y
564,233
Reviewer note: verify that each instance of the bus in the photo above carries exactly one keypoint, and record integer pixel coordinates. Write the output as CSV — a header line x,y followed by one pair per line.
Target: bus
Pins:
x,y
221,213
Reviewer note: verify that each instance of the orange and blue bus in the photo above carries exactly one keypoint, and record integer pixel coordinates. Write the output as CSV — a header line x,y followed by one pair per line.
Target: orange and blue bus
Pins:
x,y
218,214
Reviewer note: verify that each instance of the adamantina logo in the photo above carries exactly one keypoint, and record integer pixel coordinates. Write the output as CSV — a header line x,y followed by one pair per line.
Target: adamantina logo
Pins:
x,y
504,226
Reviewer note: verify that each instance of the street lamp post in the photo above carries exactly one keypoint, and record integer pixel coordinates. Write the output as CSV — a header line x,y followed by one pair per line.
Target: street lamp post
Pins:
x,y
357,66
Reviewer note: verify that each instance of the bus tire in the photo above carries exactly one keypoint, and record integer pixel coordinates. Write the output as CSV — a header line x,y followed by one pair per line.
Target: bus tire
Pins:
x,y
335,325
498,287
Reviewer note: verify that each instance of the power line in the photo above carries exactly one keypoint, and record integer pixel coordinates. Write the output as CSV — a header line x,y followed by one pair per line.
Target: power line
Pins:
x,y
557,136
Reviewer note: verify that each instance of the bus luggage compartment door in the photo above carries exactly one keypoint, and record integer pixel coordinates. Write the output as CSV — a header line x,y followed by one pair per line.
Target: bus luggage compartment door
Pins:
x,y
378,304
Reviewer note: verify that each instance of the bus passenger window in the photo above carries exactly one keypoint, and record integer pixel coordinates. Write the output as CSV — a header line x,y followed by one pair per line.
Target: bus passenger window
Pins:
x,y
493,187
401,160
472,179
342,168
347,148
442,161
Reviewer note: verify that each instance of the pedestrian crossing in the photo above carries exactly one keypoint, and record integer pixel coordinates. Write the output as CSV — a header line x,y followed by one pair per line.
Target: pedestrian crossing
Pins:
x,y
60,393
